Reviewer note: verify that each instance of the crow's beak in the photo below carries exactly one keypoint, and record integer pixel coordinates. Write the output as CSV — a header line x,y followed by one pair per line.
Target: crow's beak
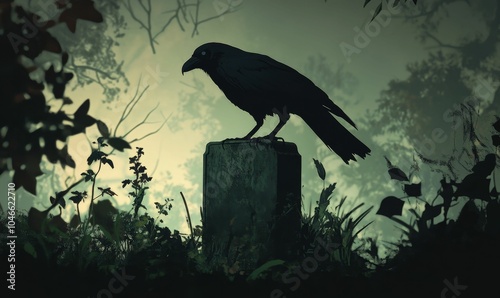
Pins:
x,y
191,64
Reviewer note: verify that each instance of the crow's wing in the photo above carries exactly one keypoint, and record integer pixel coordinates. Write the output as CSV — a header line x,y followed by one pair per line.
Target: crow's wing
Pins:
x,y
258,74
261,76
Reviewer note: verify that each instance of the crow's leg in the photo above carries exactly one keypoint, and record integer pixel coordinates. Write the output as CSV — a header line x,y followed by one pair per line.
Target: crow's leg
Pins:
x,y
284,117
260,122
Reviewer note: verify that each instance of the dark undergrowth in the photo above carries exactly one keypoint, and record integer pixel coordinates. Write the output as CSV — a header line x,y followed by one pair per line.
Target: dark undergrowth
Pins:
x,y
114,253
107,252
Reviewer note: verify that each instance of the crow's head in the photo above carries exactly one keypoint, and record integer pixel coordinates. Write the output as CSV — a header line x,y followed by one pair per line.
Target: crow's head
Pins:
x,y
206,56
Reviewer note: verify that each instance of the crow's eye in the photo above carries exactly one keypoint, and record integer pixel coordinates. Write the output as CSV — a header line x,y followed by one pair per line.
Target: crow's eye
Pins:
x,y
203,53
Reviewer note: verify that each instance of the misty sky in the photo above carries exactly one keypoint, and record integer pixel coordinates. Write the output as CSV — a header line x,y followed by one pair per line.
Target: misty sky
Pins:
x,y
290,31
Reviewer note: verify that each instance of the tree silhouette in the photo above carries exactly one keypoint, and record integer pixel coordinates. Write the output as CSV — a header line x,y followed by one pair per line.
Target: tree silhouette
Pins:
x,y
93,60
449,99
184,13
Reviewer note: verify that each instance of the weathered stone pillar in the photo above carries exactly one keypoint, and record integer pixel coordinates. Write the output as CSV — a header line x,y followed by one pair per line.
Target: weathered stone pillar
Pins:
x,y
251,203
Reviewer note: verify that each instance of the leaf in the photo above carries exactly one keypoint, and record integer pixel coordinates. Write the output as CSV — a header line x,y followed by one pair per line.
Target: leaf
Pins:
x,y
105,160
65,159
266,266
80,9
25,179
78,196
89,175
103,128
83,109
431,211
496,125
494,192
118,143
58,223
377,11
30,249
94,156
36,219
102,214
74,222
60,199
391,206
446,192
107,191
413,190
85,121
469,215
397,174
366,3
495,139
484,167
126,182
394,172
475,187
320,168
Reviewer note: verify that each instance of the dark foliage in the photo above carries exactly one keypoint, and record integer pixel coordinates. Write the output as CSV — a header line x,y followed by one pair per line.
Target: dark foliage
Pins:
x,y
30,126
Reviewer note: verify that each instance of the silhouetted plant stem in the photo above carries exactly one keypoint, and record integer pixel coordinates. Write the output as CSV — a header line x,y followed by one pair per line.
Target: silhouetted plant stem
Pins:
x,y
188,216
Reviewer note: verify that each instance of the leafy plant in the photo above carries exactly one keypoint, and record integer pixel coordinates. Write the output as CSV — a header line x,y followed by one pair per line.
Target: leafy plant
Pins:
x,y
140,181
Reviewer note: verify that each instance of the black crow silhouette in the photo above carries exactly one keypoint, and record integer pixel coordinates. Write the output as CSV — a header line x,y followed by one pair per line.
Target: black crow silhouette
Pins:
x,y
263,86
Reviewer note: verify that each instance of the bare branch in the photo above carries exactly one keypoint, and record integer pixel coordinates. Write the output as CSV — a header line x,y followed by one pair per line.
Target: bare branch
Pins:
x,y
440,43
182,14
144,121
153,132
130,106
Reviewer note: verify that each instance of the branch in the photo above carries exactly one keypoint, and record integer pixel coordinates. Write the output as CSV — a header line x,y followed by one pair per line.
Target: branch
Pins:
x,y
440,43
128,110
129,107
144,121
196,22
153,132
182,10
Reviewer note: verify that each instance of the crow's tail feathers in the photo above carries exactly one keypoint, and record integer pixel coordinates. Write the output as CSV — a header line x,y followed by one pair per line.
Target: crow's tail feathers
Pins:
x,y
334,135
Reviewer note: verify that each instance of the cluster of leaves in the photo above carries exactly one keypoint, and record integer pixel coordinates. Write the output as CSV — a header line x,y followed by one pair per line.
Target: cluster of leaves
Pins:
x,y
139,183
433,237
475,185
379,6
31,128
339,228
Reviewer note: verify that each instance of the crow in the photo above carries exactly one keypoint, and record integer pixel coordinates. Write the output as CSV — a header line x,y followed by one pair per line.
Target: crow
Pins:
x,y
263,86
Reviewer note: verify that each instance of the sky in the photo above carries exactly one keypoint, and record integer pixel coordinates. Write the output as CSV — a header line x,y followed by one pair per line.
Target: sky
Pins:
x,y
289,31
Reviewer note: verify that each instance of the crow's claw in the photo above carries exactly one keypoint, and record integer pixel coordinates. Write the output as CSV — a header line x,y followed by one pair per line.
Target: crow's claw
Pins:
x,y
274,138
231,139
266,139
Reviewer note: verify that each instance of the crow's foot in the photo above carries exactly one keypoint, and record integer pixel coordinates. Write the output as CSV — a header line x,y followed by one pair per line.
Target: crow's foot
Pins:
x,y
257,140
232,139
274,138
266,140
